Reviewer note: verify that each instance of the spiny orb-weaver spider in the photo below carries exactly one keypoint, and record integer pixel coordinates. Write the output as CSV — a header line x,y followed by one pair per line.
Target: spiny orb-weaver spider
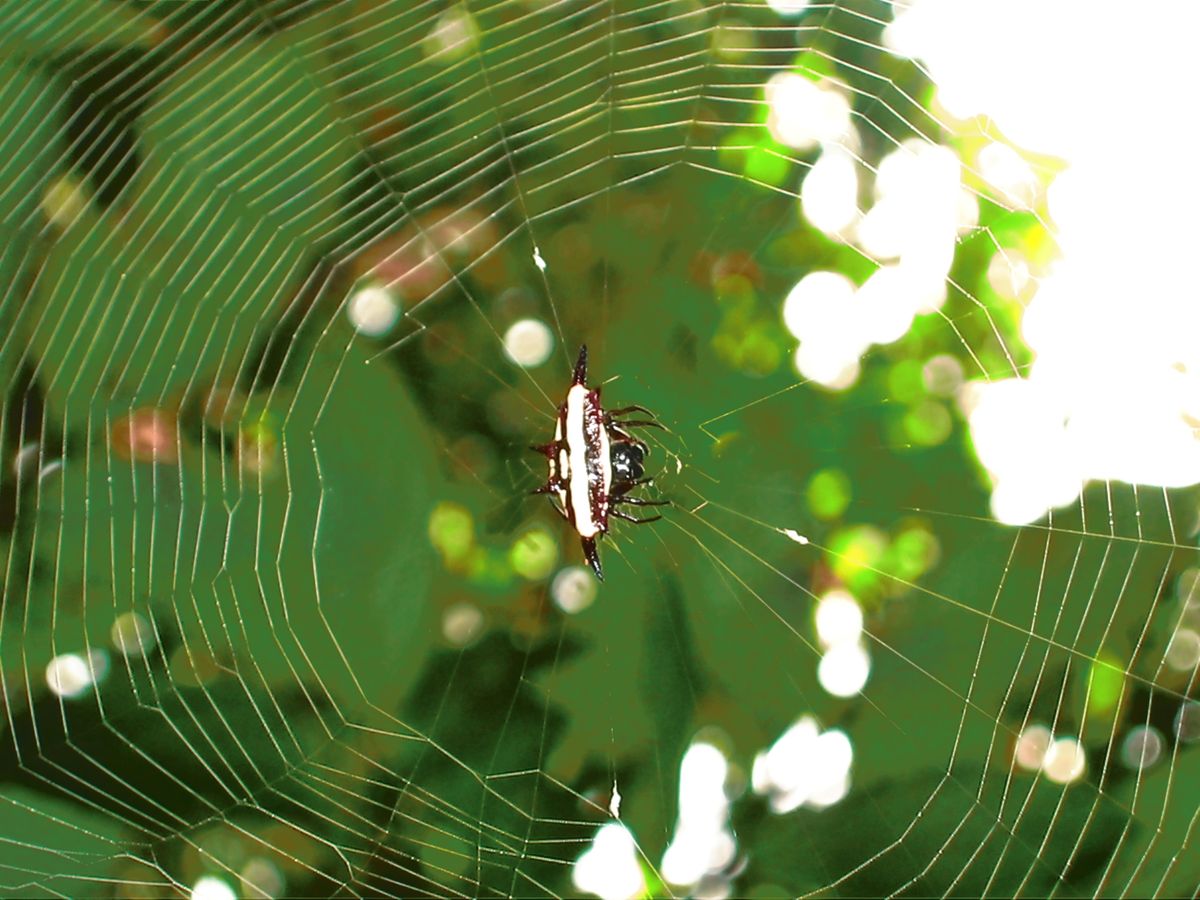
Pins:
x,y
595,462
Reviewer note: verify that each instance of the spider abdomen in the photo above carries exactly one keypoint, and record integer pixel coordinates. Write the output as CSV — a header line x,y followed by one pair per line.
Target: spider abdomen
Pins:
x,y
588,475
594,462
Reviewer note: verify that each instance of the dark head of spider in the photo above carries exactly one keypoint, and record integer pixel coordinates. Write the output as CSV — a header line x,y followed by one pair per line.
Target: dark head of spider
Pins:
x,y
627,461
595,463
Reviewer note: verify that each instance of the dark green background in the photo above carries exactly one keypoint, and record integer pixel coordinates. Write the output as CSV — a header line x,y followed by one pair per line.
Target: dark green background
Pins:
x,y
237,163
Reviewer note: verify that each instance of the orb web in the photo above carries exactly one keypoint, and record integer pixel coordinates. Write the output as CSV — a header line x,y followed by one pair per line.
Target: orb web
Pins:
x,y
289,288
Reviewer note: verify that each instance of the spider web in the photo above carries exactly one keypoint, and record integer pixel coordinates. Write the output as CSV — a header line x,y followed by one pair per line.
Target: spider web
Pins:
x,y
288,288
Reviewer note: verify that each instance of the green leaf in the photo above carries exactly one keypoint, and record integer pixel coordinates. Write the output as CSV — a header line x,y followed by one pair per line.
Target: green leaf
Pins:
x,y
29,121
929,834
67,27
325,557
52,848
122,300
253,126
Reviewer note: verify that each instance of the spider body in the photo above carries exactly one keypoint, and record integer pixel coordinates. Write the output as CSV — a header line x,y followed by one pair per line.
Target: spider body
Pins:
x,y
594,462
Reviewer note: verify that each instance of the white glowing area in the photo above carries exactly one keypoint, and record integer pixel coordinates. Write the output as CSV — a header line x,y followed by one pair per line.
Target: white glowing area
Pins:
x,y
69,675
788,7
702,844
1183,653
839,619
1114,391
805,767
819,311
610,868
843,670
845,664
373,310
829,193
920,209
211,888
573,589
1031,748
1065,761
804,113
529,342
1008,172
919,204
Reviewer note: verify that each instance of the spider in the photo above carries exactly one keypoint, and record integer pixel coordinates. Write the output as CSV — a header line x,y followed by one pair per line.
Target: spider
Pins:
x,y
595,462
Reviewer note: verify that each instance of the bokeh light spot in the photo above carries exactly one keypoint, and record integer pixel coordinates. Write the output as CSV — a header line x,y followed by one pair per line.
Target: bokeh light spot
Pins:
x,y
132,635
942,375
462,624
1187,722
1142,747
1183,653
1009,173
528,342
1106,681
534,554
261,879
804,113
806,309
610,868
829,194
1009,276
839,619
454,36
452,532
69,675
855,554
1065,761
804,767
788,7
212,888
573,589
146,435
928,423
702,844
1030,752
372,310
828,493
844,669
764,163
914,551
63,201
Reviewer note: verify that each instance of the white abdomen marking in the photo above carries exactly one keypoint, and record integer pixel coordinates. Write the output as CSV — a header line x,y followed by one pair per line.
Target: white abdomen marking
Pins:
x,y
576,472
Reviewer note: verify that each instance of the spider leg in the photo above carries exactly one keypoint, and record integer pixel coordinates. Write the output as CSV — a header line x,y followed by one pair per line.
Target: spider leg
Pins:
x,y
621,488
637,501
546,488
592,555
580,376
616,513
629,409
612,416
549,449
640,423
627,438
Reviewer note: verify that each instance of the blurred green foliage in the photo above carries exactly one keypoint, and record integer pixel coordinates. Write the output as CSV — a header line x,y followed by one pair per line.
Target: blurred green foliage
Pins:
x,y
191,193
